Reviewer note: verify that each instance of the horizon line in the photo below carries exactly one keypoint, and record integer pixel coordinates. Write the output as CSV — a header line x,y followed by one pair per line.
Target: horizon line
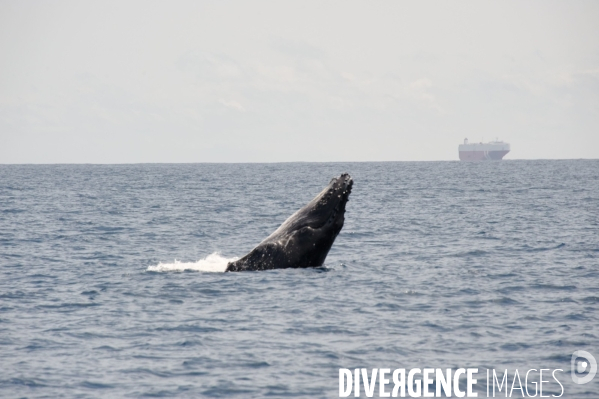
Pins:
x,y
289,162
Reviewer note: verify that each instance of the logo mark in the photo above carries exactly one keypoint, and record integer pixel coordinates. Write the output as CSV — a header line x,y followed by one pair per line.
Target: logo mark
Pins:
x,y
580,366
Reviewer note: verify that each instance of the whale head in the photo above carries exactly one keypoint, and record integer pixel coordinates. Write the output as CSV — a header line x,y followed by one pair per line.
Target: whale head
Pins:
x,y
305,238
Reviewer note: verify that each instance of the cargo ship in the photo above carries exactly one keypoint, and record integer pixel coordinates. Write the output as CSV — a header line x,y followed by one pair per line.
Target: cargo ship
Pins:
x,y
493,151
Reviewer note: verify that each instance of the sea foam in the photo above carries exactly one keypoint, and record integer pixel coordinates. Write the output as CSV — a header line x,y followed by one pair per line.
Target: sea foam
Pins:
x,y
214,263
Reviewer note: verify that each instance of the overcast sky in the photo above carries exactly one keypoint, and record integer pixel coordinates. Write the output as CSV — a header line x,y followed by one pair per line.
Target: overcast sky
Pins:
x,y
254,81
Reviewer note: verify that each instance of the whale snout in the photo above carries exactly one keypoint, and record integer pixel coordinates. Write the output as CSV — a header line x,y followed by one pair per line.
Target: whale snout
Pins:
x,y
344,181
348,183
338,196
342,185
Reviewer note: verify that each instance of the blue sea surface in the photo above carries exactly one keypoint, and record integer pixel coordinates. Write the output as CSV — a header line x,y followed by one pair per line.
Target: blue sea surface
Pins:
x,y
492,265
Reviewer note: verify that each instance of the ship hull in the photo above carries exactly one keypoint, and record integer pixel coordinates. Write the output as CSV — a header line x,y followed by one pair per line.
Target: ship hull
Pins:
x,y
482,155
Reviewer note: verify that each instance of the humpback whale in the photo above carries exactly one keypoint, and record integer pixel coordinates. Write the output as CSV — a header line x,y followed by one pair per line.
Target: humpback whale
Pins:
x,y
303,240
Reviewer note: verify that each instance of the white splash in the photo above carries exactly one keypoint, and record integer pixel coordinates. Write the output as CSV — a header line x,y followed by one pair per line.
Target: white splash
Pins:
x,y
213,263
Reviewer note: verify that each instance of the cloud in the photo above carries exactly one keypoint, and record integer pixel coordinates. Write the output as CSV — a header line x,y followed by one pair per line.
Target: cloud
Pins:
x,y
206,65
421,84
232,104
348,76
297,49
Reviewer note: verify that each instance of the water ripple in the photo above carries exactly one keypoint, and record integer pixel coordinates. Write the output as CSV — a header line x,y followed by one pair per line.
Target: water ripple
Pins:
x,y
112,282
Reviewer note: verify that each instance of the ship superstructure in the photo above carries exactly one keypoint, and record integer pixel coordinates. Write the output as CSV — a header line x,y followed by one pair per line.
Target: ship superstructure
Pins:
x,y
494,150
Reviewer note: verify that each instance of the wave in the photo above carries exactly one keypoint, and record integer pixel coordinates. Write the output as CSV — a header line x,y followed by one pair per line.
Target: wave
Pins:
x,y
214,263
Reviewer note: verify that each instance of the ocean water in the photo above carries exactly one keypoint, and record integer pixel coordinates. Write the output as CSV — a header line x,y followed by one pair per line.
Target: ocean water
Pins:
x,y
111,281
